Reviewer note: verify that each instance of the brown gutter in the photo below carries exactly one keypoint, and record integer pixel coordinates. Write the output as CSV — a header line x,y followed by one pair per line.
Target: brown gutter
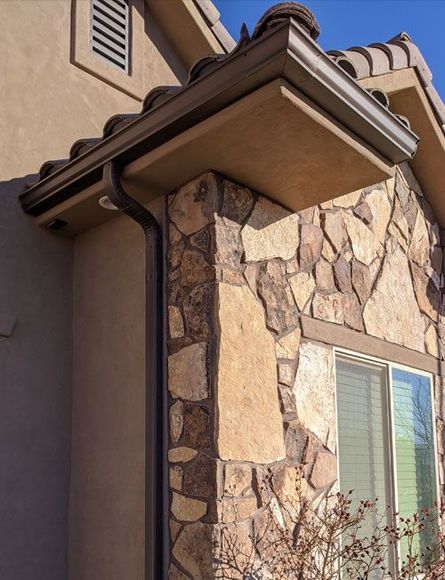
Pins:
x,y
156,531
286,52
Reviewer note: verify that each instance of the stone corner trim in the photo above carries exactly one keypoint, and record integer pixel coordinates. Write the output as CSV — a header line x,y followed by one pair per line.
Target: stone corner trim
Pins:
x,y
249,423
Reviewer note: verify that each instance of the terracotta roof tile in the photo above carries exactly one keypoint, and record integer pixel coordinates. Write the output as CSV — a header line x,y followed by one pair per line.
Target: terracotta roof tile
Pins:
x,y
359,62
382,58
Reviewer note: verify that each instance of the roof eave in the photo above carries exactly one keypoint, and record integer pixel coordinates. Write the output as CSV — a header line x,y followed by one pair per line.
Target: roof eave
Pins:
x,y
284,52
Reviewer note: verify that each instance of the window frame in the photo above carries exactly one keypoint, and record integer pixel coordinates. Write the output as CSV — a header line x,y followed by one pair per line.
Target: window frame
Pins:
x,y
388,365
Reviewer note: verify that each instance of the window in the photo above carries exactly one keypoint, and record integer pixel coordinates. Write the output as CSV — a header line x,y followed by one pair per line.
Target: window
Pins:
x,y
386,442
110,32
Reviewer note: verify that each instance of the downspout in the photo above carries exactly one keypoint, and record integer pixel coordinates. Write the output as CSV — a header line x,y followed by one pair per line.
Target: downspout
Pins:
x,y
156,532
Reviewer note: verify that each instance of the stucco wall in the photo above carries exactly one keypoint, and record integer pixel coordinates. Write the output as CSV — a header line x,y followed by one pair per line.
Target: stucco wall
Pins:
x,y
244,275
35,394
47,102
107,462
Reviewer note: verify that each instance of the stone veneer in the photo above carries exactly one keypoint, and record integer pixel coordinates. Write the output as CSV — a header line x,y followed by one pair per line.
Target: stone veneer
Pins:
x,y
251,401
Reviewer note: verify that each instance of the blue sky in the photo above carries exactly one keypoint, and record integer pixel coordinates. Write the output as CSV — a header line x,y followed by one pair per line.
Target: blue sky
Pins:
x,y
346,23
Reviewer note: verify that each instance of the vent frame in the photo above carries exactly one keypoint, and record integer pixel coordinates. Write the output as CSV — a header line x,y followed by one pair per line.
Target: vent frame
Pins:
x,y
110,33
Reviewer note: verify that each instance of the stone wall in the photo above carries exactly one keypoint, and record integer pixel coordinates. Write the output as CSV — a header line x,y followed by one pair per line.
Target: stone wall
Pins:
x,y
252,400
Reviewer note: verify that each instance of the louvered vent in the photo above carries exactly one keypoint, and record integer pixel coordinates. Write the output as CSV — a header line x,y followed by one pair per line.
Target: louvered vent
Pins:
x,y
110,31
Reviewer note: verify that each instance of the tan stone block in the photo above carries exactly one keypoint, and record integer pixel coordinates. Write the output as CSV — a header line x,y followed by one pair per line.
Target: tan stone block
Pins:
x,y
302,286
175,528
175,322
194,550
348,200
235,509
402,190
406,173
324,275
363,212
187,509
287,400
328,307
187,373
237,547
286,374
229,276
195,204
175,478
238,479
352,312
363,278
181,454
398,236
427,294
400,222
315,392
334,229
291,489
365,245
250,274
327,251
287,346
342,274
380,207
296,441
228,246
324,472
392,312
176,415
292,266
249,424
281,313
311,243
419,249
432,341
390,184
270,232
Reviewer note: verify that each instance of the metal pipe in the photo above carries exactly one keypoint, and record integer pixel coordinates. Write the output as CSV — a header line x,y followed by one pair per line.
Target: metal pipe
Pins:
x,y
156,532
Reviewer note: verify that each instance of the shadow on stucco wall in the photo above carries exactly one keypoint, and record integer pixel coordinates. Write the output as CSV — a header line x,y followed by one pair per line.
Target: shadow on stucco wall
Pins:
x,y
35,393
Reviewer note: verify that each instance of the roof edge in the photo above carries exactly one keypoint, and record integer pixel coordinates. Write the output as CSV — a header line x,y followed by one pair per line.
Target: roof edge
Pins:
x,y
283,51
398,53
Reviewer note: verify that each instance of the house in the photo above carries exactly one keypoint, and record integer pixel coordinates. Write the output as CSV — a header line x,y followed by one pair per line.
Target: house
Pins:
x,y
235,275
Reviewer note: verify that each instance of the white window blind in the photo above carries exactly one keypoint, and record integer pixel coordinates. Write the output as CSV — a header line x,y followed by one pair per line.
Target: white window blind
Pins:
x,y
110,32
361,403
368,432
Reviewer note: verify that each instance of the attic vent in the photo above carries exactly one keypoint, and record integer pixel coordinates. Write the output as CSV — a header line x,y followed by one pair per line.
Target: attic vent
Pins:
x,y
110,31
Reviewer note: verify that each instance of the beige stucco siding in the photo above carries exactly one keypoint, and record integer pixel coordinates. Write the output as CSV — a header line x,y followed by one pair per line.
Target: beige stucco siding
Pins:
x,y
107,463
47,102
